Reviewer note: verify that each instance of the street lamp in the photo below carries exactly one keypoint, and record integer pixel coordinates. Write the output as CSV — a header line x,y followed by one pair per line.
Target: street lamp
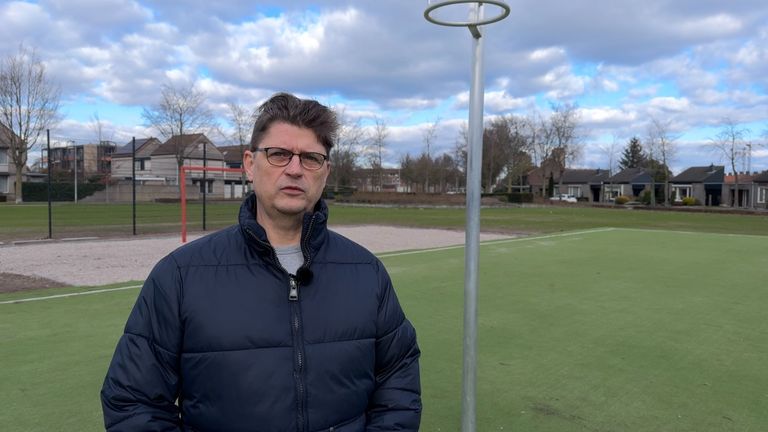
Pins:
x,y
475,19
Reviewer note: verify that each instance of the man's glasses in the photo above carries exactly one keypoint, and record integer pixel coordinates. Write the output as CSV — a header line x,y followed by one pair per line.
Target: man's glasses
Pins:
x,y
281,157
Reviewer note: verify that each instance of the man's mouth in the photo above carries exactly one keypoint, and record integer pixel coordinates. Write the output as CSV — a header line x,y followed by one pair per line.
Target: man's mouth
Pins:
x,y
292,189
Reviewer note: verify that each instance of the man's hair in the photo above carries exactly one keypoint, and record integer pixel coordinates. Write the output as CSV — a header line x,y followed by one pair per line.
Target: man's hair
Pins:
x,y
304,113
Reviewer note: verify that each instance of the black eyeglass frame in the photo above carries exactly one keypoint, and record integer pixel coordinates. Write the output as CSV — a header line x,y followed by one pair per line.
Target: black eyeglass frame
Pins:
x,y
301,156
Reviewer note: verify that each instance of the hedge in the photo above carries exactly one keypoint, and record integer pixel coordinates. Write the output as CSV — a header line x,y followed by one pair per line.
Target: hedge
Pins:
x,y
520,197
59,191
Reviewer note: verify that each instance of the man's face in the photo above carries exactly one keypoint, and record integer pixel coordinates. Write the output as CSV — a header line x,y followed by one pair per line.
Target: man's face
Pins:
x,y
292,190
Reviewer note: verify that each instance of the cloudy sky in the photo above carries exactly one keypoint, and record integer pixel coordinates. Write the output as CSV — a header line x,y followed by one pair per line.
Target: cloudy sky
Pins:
x,y
692,63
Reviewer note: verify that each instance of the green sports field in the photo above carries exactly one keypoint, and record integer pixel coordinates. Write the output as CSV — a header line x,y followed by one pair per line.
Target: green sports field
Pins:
x,y
597,330
30,221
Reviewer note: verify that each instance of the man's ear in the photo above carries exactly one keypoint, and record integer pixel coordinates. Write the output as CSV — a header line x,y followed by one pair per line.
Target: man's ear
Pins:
x,y
248,164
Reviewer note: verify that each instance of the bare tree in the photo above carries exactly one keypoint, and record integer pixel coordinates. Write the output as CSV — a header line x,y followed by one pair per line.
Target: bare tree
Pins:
x,y
428,137
378,140
345,152
730,143
242,120
611,152
563,124
103,140
543,144
180,110
661,142
460,154
520,146
99,129
29,104
497,149
408,174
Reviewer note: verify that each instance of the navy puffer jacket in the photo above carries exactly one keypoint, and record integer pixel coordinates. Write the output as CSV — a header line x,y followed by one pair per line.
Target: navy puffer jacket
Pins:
x,y
222,339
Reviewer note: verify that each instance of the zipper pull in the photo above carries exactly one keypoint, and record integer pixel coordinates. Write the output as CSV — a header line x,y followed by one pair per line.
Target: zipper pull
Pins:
x,y
293,294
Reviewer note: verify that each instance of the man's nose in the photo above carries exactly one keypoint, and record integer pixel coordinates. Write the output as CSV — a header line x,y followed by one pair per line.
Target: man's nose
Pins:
x,y
294,166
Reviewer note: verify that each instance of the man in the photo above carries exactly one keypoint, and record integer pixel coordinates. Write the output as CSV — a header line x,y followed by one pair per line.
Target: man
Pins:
x,y
274,324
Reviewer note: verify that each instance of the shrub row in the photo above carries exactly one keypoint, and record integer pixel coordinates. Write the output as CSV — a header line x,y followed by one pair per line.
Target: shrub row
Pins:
x,y
59,191
520,197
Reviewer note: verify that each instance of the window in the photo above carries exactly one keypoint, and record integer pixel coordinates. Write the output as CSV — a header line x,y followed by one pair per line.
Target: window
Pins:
x,y
575,191
762,195
680,192
140,164
202,186
613,191
3,184
3,156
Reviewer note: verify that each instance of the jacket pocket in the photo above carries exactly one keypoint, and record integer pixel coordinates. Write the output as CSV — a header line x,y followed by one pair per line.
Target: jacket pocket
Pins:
x,y
356,424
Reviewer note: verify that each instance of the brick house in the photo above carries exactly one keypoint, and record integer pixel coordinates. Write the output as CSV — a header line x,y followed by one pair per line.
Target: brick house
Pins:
x,y
583,183
704,183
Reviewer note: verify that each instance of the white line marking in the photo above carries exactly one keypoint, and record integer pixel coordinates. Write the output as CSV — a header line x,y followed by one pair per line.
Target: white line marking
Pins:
x,y
394,254
691,232
495,242
24,300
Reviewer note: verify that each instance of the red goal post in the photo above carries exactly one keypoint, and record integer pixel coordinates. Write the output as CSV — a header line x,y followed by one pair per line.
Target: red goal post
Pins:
x,y
183,182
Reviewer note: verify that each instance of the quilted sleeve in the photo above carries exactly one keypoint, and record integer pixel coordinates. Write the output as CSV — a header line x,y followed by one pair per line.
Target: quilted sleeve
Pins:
x,y
142,383
396,401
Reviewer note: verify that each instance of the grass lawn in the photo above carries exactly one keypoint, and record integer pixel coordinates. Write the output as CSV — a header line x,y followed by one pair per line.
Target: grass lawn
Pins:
x,y
613,330
30,221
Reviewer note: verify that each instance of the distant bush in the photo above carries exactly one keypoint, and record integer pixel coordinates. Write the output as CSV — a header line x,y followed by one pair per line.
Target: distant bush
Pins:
x,y
621,200
690,201
520,197
59,191
493,194
645,198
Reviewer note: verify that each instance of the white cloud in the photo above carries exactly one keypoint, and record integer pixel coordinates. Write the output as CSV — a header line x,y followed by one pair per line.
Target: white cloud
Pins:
x,y
646,91
547,55
412,103
609,85
709,26
563,84
500,101
596,116
670,103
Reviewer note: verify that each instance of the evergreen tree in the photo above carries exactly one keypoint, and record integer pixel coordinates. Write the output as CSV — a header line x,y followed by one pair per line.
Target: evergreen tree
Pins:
x,y
633,155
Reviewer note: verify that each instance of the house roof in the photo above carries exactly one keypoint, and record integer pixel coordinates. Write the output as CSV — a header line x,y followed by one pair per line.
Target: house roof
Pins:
x,y
761,178
631,175
540,175
5,136
585,176
144,147
744,178
192,145
701,174
233,154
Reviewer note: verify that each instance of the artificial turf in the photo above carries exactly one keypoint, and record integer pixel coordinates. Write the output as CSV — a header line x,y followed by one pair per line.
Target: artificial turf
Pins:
x,y
30,221
607,330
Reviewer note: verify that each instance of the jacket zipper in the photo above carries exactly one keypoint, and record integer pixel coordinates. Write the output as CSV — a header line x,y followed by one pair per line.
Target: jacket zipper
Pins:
x,y
293,292
298,343
299,355
293,298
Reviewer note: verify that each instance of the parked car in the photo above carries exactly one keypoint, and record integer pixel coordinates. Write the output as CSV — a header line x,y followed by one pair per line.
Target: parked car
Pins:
x,y
564,198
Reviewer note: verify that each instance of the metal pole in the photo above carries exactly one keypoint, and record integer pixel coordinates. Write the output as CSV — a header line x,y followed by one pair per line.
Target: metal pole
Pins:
x,y
474,166
50,220
133,183
183,180
205,180
75,145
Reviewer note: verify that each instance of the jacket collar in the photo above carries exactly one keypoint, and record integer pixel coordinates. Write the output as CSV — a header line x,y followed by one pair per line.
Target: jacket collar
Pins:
x,y
313,230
